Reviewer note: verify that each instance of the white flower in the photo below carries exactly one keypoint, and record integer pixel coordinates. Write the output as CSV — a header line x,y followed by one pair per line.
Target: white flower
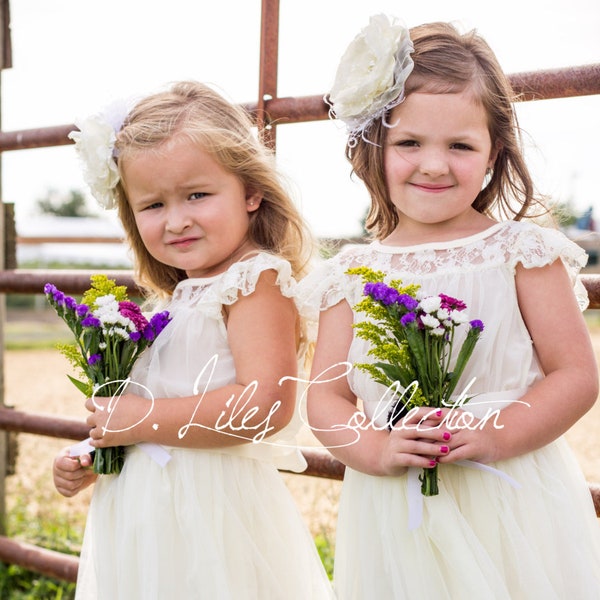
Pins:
x,y
439,331
430,304
443,314
107,311
459,317
430,322
95,143
120,332
370,77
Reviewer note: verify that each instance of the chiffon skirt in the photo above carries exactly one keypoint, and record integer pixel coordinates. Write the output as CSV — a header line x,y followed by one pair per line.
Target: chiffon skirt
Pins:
x,y
207,525
479,539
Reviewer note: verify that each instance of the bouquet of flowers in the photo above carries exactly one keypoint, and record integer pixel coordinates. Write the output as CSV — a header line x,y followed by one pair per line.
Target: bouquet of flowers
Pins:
x,y
110,333
412,338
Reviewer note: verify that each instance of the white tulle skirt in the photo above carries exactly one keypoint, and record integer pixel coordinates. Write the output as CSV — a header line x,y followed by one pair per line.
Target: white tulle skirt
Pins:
x,y
207,525
479,539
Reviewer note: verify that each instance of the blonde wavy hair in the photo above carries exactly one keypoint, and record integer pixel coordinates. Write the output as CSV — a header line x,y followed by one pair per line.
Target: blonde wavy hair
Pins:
x,y
446,61
225,131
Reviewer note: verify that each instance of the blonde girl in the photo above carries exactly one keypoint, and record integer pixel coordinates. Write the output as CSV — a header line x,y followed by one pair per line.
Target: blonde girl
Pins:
x,y
199,509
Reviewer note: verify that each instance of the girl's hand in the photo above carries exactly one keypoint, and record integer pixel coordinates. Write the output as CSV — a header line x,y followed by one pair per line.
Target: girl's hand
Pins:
x,y
71,474
417,440
478,443
113,421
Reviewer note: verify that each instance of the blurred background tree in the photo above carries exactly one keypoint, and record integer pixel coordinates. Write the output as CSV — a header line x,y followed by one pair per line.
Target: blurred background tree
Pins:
x,y
64,204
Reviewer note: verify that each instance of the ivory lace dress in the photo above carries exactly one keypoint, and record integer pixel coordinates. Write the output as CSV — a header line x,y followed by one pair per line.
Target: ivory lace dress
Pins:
x,y
480,538
210,524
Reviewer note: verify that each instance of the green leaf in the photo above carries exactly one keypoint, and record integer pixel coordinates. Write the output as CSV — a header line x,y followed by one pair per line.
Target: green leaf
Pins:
x,y
463,357
396,373
80,385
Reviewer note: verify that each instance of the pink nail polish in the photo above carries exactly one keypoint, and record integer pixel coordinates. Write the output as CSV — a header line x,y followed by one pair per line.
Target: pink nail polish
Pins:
x,y
444,449
438,413
432,463
446,435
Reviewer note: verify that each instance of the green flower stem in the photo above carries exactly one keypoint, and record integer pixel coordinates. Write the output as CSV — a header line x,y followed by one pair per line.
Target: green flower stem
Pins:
x,y
429,482
109,461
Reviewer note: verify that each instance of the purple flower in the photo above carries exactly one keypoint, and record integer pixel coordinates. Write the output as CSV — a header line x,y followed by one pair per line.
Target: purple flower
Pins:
x,y
70,303
94,358
476,324
408,318
450,303
381,293
82,310
135,336
159,321
49,289
58,297
91,321
149,334
407,301
132,311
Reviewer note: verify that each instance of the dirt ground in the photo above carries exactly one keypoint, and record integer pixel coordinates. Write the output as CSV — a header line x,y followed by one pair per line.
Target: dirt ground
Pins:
x,y
35,380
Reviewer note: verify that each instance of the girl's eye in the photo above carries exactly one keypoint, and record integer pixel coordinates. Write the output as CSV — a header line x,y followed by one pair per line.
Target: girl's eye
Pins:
x,y
459,146
406,143
198,195
153,206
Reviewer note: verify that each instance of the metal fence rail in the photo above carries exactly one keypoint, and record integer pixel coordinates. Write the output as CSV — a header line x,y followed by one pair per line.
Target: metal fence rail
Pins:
x,y
269,112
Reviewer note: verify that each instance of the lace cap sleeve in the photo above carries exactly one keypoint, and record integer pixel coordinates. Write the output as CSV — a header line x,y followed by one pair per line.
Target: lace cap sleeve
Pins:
x,y
327,284
242,277
536,246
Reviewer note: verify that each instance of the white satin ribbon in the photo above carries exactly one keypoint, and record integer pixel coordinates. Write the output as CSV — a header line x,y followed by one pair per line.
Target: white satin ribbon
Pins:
x,y
415,498
155,451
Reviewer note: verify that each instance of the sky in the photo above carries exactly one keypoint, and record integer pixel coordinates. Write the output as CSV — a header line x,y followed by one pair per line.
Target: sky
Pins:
x,y
73,57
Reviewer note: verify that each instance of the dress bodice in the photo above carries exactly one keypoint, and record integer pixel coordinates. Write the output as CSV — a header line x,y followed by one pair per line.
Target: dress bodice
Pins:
x,y
480,270
192,353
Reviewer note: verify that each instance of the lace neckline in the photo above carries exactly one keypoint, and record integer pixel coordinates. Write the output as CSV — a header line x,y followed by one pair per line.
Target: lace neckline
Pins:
x,y
194,281
204,281
456,243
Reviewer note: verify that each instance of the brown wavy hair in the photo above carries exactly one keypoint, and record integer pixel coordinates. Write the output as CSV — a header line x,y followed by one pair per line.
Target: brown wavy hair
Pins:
x,y
446,61
224,130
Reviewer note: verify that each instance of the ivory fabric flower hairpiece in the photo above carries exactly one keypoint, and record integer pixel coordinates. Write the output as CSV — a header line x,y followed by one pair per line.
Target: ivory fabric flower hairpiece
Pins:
x,y
95,144
371,75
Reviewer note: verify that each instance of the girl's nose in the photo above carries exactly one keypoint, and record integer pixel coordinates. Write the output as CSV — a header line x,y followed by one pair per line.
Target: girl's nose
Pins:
x,y
434,163
178,220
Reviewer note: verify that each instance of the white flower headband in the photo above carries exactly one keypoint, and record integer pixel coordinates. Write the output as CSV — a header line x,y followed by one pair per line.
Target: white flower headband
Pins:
x,y
371,75
95,145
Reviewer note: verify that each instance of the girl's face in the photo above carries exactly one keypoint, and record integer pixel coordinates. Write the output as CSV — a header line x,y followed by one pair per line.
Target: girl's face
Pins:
x,y
435,159
191,213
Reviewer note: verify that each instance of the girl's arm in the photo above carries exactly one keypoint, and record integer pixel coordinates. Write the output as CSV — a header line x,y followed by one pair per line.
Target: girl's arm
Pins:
x,y
342,428
262,335
565,353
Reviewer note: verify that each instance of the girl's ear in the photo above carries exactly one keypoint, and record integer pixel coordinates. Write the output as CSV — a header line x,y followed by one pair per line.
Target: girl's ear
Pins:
x,y
493,156
253,201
